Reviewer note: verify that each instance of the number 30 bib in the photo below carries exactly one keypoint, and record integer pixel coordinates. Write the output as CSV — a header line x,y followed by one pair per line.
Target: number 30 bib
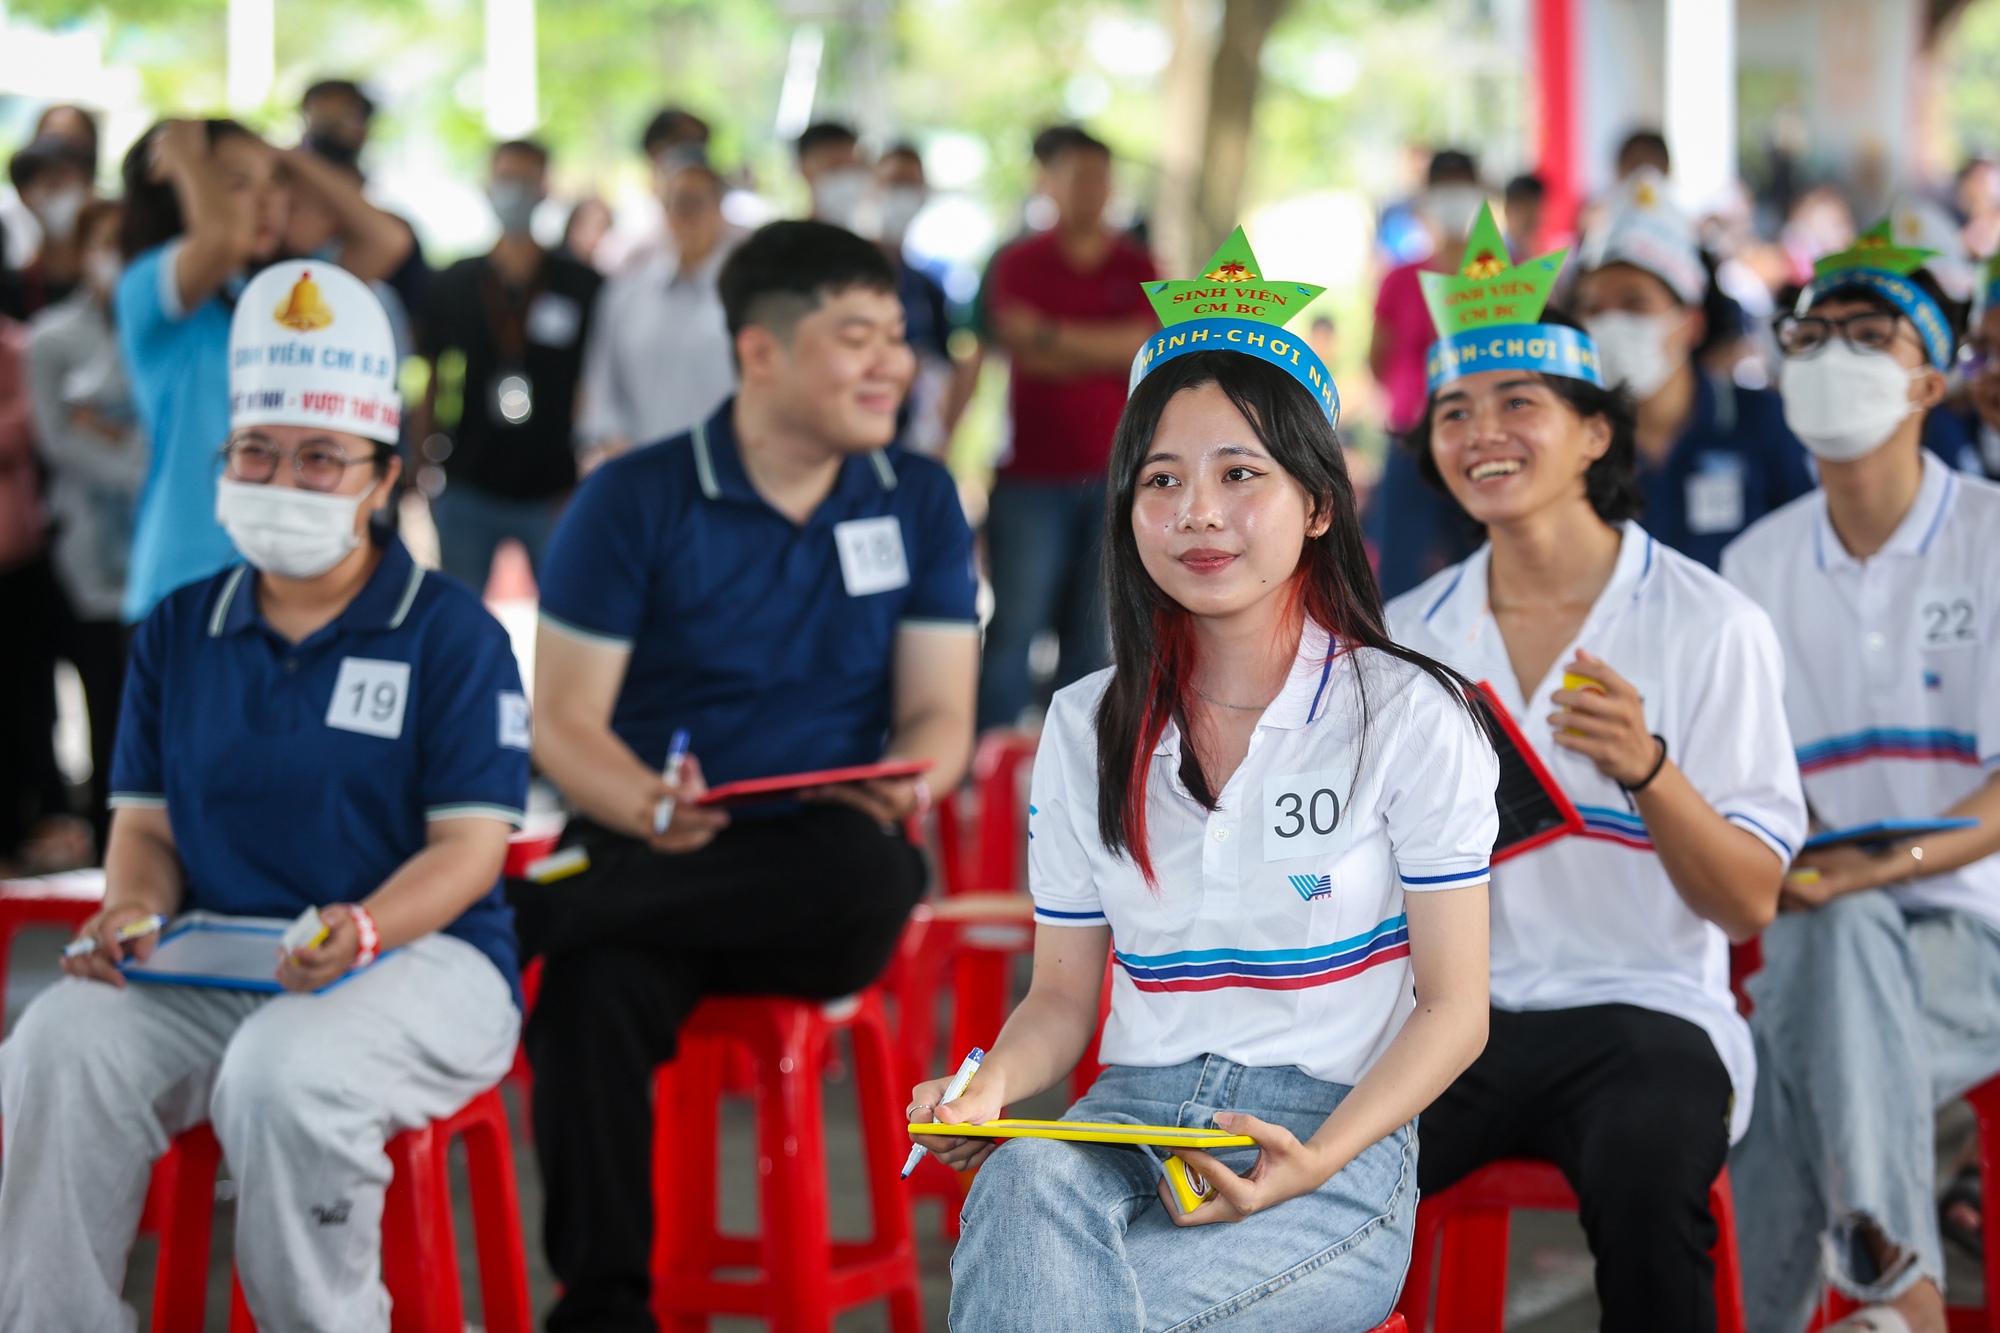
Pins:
x,y
1305,814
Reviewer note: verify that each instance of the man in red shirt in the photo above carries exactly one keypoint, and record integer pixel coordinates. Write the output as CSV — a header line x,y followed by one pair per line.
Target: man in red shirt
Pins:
x,y
1066,305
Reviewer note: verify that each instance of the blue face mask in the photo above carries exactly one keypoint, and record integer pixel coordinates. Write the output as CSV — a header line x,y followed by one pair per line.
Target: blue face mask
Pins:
x,y
514,205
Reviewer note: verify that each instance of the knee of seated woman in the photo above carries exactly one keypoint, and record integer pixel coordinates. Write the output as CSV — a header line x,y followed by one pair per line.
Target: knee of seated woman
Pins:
x,y
270,1075
73,1025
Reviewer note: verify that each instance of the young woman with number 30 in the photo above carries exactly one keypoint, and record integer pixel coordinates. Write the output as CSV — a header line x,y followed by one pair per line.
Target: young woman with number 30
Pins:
x,y
1279,823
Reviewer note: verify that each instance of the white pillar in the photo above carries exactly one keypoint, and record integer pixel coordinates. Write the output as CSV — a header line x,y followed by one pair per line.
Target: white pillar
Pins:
x,y
512,101
253,58
1701,97
801,87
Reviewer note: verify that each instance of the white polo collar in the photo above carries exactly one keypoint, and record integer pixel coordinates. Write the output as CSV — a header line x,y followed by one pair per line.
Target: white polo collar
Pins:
x,y
1913,536
1302,699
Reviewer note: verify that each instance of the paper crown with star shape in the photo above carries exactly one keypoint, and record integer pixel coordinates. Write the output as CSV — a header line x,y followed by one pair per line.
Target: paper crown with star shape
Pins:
x,y
1487,315
1233,307
1876,263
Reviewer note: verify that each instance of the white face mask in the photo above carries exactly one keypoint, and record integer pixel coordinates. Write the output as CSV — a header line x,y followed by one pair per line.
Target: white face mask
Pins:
x,y
285,531
102,268
58,213
1453,209
900,206
1633,350
1844,404
839,194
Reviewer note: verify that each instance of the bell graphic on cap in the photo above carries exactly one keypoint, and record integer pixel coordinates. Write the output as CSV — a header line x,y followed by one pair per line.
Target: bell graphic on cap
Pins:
x,y
304,309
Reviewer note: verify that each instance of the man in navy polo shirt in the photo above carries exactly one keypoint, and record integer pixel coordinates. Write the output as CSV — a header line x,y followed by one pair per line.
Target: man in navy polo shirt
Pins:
x,y
797,595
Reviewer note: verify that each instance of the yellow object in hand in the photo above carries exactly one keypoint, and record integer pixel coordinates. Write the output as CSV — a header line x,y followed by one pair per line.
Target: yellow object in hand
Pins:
x,y
1191,1188
1572,681
1806,875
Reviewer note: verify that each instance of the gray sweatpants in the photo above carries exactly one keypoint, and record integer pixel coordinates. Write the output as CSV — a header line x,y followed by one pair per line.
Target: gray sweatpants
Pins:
x,y
1867,1019
303,1092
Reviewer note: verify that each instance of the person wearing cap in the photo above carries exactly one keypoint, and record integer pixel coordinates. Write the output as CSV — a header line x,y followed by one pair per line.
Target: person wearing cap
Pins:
x,y
1277,823
779,590
1652,692
1880,982
54,180
1713,456
328,727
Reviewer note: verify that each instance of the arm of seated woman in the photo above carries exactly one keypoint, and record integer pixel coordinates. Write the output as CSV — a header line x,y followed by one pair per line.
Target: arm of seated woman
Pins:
x,y
1724,873
1042,1041
142,877
427,893
1441,1037
1846,868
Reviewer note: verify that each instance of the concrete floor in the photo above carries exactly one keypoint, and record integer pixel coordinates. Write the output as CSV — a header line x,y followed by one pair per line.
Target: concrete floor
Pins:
x,y
1549,1286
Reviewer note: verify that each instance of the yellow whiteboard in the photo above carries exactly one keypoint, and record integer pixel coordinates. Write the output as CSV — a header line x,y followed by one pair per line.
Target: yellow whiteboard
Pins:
x,y
1091,1131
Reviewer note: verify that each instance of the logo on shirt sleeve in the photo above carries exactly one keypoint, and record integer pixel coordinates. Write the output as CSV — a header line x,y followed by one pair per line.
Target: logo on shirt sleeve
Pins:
x,y
369,696
514,734
871,555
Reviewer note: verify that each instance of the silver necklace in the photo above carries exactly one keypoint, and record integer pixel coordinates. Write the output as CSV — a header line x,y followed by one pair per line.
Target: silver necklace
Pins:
x,y
1241,708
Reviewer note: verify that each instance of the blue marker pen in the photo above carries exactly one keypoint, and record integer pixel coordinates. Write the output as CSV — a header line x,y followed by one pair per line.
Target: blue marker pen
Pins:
x,y
951,1094
677,753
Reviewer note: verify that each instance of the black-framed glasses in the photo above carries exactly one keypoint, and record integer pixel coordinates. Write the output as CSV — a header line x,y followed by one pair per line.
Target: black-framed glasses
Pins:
x,y
1804,335
319,465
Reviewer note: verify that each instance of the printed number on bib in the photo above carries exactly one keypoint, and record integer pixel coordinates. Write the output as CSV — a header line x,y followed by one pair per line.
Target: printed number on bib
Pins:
x,y
1305,814
871,555
1947,617
369,697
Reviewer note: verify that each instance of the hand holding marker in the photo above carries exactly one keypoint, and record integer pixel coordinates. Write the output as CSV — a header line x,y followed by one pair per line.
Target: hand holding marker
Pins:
x,y
137,928
677,753
952,1092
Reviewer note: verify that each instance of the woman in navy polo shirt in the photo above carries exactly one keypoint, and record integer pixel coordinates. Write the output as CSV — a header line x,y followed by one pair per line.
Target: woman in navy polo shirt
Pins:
x,y
326,727
1280,822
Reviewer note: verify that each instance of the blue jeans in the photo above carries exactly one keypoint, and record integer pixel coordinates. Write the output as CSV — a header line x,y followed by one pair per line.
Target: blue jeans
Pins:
x,y
472,523
1074,1236
1867,1018
1043,549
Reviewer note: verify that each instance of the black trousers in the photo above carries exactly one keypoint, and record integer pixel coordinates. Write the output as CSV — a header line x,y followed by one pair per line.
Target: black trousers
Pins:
x,y
809,904
33,614
1633,1106
97,649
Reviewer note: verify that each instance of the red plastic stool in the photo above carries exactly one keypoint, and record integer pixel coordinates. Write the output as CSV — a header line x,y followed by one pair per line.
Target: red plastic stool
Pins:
x,y
1472,1274
801,1276
419,1244
52,900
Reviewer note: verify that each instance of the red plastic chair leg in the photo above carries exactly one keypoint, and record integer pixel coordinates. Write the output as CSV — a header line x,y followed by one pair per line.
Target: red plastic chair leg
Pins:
x,y
184,1183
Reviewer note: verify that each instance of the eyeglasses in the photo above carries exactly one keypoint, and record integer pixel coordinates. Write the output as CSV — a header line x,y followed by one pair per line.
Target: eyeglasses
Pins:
x,y
320,465
1804,335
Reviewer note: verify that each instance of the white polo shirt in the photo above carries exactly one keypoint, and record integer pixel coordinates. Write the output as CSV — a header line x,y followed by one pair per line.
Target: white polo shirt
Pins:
x,y
1894,687
1275,934
1594,919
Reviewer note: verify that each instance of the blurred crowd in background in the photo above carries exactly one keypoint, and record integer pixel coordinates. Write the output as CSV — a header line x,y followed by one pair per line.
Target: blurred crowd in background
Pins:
x,y
527,364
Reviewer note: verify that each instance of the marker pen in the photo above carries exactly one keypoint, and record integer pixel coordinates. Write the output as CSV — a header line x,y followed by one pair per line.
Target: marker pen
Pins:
x,y
951,1094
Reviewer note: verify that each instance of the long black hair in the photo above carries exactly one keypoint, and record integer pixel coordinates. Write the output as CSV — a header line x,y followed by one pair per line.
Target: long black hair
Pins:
x,y
1612,481
152,208
1152,636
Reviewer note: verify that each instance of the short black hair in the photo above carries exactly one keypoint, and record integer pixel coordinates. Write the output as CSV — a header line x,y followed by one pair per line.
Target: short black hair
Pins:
x,y
1056,140
1649,146
45,153
1611,482
1527,186
341,88
672,124
903,148
533,148
1452,166
785,270
823,134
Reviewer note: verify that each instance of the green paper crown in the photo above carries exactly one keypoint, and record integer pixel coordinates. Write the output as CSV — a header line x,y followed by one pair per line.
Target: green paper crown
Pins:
x,y
1877,249
1490,289
1232,285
